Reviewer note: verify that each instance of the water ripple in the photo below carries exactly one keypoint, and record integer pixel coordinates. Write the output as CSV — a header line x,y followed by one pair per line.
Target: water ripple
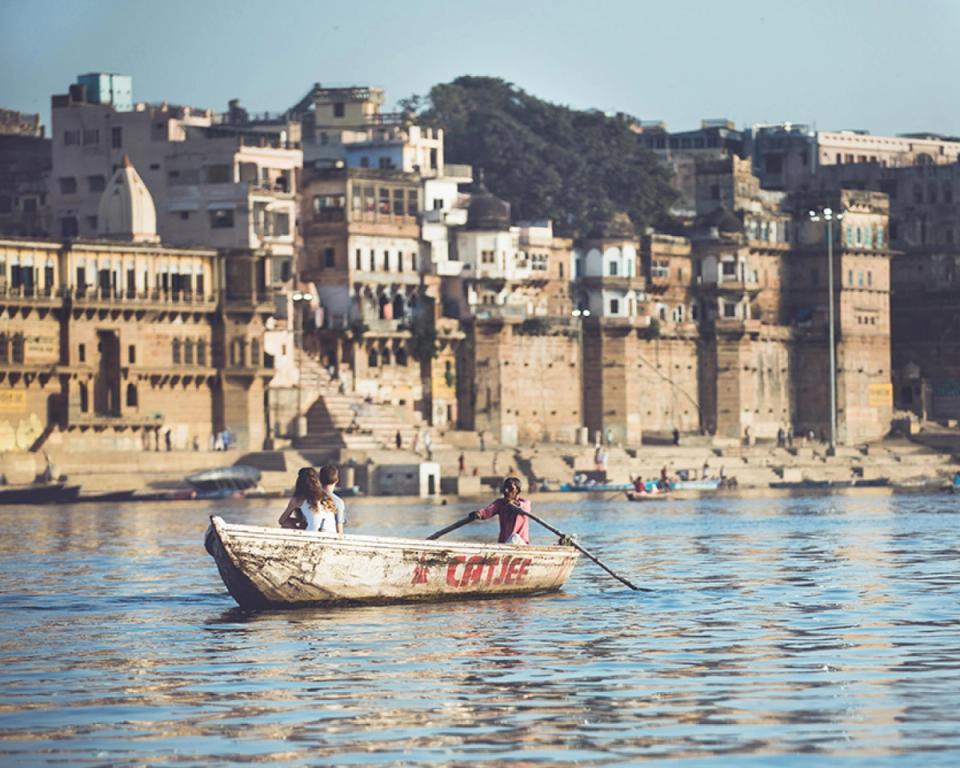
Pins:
x,y
798,631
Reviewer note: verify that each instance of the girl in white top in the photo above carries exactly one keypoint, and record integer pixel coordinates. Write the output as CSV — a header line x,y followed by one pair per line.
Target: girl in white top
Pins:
x,y
319,508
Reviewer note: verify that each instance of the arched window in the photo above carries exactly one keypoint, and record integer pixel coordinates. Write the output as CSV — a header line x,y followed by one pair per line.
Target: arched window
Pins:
x,y
386,356
131,395
372,358
399,307
188,352
176,351
201,352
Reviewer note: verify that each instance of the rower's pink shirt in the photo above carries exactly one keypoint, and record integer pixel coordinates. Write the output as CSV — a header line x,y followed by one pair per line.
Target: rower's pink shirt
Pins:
x,y
511,521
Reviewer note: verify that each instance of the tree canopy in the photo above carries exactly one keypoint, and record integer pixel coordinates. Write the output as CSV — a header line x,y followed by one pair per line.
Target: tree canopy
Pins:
x,y
547,160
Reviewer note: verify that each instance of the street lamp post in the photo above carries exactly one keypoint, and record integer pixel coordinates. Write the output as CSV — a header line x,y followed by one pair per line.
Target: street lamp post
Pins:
x,y
828,217
298,299
578,315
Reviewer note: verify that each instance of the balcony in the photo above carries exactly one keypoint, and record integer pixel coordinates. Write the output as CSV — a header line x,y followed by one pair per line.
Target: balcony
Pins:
x,y
156,299
32,295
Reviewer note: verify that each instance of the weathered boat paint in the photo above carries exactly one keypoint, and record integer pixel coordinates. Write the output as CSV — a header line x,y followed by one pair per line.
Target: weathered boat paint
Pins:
x,y
268,567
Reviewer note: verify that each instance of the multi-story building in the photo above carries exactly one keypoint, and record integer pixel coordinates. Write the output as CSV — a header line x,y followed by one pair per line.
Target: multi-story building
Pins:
x,y
119,341
788,156
924,232
214,183
24,175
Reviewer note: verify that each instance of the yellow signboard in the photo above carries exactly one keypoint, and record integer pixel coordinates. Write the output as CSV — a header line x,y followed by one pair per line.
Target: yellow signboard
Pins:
x,y
881,395
12,401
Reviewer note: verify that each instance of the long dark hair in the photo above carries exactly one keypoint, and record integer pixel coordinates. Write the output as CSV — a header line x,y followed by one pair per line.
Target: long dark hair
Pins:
x,y
308,487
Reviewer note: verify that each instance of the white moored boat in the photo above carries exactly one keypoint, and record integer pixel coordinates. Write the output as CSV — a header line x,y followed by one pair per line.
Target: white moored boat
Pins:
x,y
264,567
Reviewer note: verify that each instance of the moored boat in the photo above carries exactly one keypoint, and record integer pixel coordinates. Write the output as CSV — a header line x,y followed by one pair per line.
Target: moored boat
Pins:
x,y
40,493
239,477
703,484
276,567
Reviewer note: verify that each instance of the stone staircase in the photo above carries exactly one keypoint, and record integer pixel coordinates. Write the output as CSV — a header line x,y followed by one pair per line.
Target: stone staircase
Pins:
x,y
340,421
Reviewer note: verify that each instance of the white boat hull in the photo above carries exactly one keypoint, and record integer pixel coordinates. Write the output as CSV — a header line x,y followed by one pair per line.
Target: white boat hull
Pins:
x,y
270,567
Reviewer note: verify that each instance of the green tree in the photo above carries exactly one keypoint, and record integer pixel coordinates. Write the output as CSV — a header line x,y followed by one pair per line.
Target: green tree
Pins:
x,y
549,161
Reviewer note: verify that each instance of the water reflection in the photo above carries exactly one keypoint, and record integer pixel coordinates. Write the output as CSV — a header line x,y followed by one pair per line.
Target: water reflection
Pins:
x,y
779,628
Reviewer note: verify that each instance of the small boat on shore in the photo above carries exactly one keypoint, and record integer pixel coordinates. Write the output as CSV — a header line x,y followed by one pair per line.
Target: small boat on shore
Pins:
x,y
703,484
40,493
876,482
596,487
224,480
277,567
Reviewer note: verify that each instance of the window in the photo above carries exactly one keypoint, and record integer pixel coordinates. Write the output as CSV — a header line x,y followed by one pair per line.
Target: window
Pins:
x,y
413,262
486,257
71,138
386,163
678,314
359,265
188,352
386,261
398,202
84,398
116,137
613,268
131,354
329,207
399,261
221,219
384,206
730,268
338,109
324,139
850,277
82,353
96,183
219,174
68,185
729,310
614,306
869,278
413,203
328,257
131,395
92,222
437,204
91,136
176,351
860,279
201,352
364,162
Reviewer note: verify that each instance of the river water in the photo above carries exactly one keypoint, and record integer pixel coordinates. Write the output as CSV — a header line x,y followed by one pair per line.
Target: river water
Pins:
x,y
781,631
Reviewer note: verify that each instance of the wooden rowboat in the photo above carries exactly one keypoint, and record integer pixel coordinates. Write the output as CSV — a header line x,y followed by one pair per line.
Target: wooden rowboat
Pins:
x,y
276,567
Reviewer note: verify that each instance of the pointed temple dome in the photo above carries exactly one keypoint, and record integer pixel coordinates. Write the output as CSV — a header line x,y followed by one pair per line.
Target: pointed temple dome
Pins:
x,y
126,209
487,211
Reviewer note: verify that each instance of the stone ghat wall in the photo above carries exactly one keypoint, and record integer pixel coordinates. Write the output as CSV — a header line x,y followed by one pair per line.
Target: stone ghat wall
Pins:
x,y
740,386
526,388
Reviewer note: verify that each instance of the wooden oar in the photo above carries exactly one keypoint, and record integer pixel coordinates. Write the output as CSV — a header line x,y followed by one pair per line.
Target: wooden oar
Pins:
x,y
569,540
449,528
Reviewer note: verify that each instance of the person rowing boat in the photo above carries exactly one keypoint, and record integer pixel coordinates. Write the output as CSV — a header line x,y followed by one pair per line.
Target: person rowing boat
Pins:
x,y
514,526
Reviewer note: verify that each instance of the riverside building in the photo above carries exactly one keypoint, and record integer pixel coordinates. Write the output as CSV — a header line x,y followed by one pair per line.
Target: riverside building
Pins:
x,y
117,341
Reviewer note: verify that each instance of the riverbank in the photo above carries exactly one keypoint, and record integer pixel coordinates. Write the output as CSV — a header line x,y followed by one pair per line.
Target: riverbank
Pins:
x,y
900,461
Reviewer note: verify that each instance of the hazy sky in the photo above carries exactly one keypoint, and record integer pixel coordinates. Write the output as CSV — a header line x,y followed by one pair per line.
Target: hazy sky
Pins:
x,y
883,65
